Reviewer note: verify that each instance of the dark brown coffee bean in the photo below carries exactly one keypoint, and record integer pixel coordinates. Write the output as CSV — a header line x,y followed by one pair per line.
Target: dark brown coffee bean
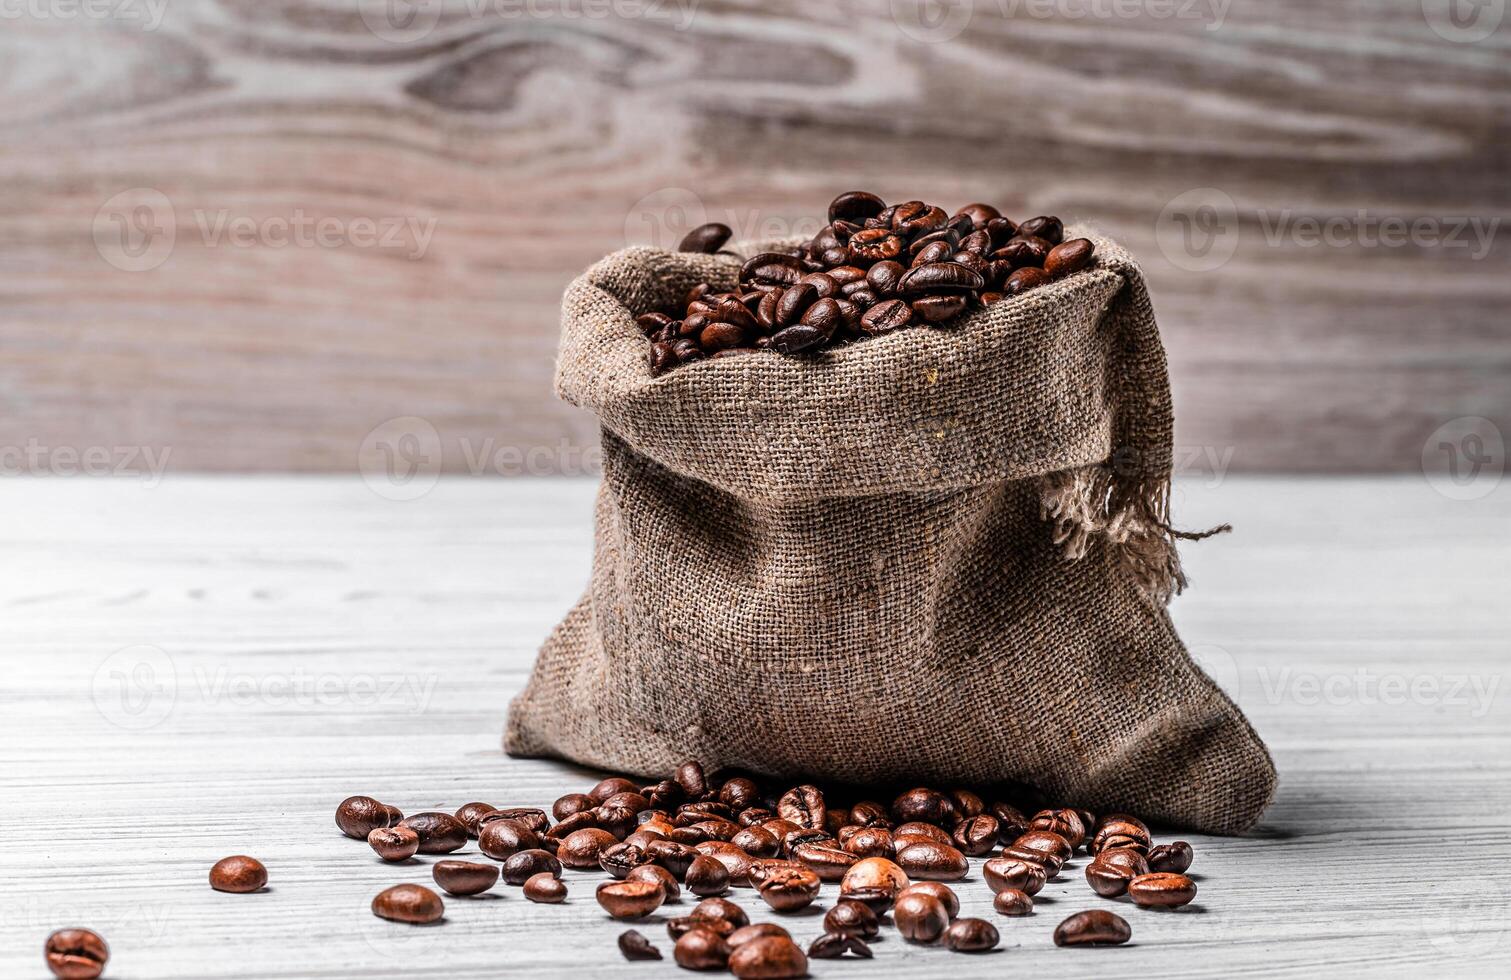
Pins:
x,y
1001,230
1174,858
758,930
1024,253
772,268
1069,257
1049,862
618,821
706,239
415,904
76,954
632,803
735,861
757,842
1129,859
828,862
1002,873
1047,227
527,816
871,842
1045,842
932,861
797,339
849,918
939,890
920,918
634,946
874,245
977,835
701,949
502,839
874,873
722,910
358,816
1014,902
831,946
883,278
938,277
971,936
658,875
679,926
630,899
582,820
1013,822
1162,890
706,876
468,814
524,865
239,874
761,868
855,206
662,358
464,877
620,859
1120,830
939,308
739,793
1107,879
394,843
689,775
1066,823
1096,927
582,848
789,889
545,888
651,324
804,806
918,218
440,833
1025,279
672,856
934,252
886,316
768,958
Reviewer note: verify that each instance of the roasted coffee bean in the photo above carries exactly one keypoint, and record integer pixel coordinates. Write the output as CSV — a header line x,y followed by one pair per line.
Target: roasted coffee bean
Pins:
x,y
781,828
1023,253
761,868
874,873
617,820
721,909
672,856
924,806
918,218
874,245
920,918
1163,889
1012,822
768,958
706,876
977,835
1174,858
735,861
394,843
1002,873
915,829
630,899
1045,842
358,816
971,936
790,889
635,803
524,865
662,359
76,954
883,277
1096,927
660,876
415,904
580,849
1120,830
634,946
701,949
1014,902
531,817
886,316
937,251
938,277
804,806
833,945
1066,823
871,842
1128,858
1049,228
620,859
1049,862
1069,257
855,206
849,918
828,862
545,888
707,239
502,839
932,861
802,836
739,794
464,877
440,833
681,925
468,814
938,308
1107,879
979,214
759,930
772,268
1023,280
939,890
757,842
238,874
797,339
878,899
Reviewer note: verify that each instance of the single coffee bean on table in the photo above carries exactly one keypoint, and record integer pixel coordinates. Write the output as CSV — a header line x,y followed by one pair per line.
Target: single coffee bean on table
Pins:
x,y
1174,857
630,899
394,844
768,958
920,918
521,866
971,936
76,954
1096,927
1162,890
756,930
1013,902
849,918
464,878
545,888
358,816
239,874
634,946
939,890
701,948
414,904
833,945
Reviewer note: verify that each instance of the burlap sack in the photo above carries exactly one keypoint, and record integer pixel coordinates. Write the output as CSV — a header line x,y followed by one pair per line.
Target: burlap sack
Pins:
x,y
940,555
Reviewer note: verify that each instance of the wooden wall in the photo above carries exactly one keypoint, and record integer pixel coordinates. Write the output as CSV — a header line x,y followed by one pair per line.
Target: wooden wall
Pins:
x,y
516,143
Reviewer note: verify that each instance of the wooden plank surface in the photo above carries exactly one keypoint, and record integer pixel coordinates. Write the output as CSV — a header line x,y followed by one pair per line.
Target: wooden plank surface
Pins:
x,y
516,144
208,666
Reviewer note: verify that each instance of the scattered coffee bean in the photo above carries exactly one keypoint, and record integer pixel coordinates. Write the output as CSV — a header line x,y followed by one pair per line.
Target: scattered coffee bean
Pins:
x,y
920,918
572,803
239,874
1174,858
414,904
440,833
977,836
582,848
545,888
1096,927
833,945
468,814
394,843
660,876
931,861
939,890
524,865
681,925
358,816
721,910
1004,872
756,930
707,239
790,889
1014,902
971,936
701,948
464,877
630,899
1120,830
706,876
1162,890
76,954
635,946
849,918
923,805
768,958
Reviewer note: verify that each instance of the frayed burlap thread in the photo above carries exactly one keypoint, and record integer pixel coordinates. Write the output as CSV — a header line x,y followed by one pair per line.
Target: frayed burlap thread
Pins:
x,y
939,555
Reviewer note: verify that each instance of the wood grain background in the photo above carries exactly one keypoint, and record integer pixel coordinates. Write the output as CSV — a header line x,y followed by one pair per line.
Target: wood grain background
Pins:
x,y
533,139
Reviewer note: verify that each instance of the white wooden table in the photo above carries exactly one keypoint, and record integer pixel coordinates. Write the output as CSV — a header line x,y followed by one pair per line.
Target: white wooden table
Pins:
x,y
207,666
